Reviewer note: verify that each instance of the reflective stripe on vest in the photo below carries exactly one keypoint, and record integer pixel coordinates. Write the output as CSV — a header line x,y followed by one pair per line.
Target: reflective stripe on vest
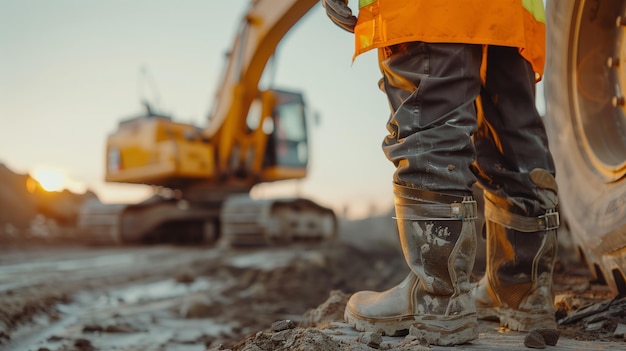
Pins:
x,y
535,7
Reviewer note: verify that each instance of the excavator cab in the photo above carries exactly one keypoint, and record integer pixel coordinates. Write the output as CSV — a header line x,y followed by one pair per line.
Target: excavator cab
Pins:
x,y
286,152
287,144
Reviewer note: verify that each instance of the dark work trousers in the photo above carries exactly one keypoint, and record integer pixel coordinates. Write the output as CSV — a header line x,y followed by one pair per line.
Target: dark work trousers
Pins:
x,y
437,142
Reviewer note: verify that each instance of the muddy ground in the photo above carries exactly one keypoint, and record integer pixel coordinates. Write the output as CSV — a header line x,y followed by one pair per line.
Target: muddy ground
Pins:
x,y
63,295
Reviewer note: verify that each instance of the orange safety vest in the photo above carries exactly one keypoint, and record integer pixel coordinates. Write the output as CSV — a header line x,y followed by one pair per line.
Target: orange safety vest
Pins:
x,y
514,23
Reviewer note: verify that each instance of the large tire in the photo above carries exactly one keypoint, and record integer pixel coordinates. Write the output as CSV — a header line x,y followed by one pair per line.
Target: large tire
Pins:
x,y
586,123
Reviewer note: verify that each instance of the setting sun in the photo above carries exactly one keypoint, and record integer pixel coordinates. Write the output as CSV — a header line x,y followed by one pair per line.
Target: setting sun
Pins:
x,y
49,179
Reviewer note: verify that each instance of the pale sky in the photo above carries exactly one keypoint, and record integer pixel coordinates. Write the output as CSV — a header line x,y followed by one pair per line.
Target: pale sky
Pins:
x,y
70,71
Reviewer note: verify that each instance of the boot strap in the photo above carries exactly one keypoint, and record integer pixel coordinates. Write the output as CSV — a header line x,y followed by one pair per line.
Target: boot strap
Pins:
x,y
423,195
464,210
544,222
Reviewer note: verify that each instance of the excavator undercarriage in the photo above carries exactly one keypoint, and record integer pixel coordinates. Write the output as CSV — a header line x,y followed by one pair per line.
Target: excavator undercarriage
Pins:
x,y
248,222
239,221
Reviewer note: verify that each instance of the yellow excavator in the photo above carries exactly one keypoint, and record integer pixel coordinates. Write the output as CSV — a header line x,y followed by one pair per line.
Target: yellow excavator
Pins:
x,y
203,175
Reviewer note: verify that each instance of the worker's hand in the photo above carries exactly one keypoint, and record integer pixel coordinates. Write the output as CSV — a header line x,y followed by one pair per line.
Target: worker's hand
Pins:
x,y
339,12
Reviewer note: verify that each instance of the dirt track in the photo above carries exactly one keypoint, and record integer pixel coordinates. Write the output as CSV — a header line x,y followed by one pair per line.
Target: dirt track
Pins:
x,y
75,297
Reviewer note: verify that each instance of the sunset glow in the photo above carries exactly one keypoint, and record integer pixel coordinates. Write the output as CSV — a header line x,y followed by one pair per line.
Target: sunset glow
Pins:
x,y
49,179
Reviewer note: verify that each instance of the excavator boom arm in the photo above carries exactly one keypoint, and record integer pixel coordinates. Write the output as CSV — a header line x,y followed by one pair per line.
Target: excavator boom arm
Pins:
x,y
263,27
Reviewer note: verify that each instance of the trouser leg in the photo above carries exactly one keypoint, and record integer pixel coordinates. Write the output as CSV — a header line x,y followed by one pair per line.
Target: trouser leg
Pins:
x,y
431,90
511,140
515,168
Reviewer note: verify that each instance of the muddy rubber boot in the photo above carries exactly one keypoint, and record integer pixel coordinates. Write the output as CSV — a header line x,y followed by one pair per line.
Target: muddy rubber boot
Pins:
x,y
437,234
521,253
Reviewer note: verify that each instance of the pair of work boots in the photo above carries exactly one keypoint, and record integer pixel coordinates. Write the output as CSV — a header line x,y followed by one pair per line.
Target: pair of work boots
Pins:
x,y
438,238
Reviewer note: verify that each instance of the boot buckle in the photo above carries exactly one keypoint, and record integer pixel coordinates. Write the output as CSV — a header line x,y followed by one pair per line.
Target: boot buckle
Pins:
x,y
467,209
549,220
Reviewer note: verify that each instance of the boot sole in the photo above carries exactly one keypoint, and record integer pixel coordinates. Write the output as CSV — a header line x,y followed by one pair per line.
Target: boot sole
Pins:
x,y
435,330
517,320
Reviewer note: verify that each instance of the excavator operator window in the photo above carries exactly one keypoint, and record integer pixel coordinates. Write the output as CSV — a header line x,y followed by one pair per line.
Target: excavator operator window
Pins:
x,y
288,146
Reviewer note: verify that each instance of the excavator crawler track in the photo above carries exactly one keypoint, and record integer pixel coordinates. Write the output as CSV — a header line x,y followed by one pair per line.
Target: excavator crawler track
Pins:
x,y
99,223
251,222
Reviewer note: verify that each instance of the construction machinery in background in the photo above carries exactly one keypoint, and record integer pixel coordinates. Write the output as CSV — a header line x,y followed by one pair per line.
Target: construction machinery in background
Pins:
x,y
257,136
202,176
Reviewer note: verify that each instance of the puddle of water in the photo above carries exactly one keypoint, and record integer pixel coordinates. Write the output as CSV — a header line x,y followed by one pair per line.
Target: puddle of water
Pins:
x,y
268,260
263,260
26,337
160,290
68,265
